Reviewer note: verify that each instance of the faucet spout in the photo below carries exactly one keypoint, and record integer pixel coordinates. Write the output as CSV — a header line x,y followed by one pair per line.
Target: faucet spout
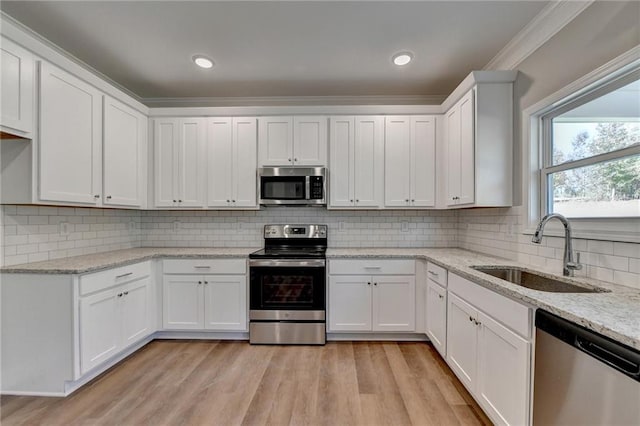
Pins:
x,y
569,264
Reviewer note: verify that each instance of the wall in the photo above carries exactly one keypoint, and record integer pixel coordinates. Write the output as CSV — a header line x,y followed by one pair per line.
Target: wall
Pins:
x,y
31,233
602,32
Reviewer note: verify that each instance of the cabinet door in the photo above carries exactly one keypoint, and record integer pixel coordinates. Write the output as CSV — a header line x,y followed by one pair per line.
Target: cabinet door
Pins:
x,y
423,161
310,141
394,303
183,303
70,138
503,373
437,316
453,154
16,89
467,150
462,340
225,304
368,163
275,141
397,157
191,149
165,137
99,328
135,312
341,170
245,178
350,303
123,154
220,162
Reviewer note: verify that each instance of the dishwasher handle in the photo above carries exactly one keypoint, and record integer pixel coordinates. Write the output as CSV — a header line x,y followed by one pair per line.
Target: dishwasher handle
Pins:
x,y
614,354
609,357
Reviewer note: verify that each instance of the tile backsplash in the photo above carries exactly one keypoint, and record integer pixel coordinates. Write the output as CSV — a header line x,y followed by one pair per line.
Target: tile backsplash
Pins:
x,y
389,228
32,233
499,232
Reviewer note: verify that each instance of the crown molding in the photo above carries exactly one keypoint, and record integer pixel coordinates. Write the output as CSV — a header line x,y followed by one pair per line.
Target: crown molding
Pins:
x,y
46,49
266,101
555,16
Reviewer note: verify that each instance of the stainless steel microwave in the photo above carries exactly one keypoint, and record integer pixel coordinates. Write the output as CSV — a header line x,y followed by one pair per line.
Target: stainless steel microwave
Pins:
x,y
292,186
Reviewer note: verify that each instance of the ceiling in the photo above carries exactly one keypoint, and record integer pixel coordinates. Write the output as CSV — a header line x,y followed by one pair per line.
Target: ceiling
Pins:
x,y
304,48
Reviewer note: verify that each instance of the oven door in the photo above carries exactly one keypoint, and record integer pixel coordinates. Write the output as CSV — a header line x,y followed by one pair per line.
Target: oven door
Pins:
x,y
287,289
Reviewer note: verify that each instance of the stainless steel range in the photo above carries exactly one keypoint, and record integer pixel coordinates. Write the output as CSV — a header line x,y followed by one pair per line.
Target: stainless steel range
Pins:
x,y
287,286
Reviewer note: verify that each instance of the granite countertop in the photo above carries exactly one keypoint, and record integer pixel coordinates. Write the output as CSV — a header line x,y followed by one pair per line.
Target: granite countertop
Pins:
x,y
615,314
110,259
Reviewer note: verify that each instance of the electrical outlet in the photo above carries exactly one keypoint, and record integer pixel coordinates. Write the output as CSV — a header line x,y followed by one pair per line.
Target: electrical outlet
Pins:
x,y
176,226
342,226
63,228
404,226
132,226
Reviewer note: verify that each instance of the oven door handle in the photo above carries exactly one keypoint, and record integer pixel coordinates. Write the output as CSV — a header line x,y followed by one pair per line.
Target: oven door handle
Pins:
x,y
312,263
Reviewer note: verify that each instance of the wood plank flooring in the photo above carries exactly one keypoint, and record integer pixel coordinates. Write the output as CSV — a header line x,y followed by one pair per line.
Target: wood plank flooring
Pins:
x,y
172,382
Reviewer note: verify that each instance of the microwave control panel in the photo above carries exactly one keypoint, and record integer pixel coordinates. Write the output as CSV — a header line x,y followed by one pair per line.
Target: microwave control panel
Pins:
x,y
316,187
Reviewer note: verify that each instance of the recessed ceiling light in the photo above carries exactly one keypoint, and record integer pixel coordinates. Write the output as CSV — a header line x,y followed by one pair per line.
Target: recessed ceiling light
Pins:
x,y
203,61
402,58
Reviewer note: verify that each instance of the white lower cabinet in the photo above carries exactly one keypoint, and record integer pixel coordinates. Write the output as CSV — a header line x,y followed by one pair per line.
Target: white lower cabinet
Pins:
x,y
205,302
374,302
437,316
490,359
113,319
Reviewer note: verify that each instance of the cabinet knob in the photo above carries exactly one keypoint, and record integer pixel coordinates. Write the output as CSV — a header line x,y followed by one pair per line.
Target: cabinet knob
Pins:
x,y
108,197
199,282
357,201
175,201
126,292
289,159
413,201
206,282
295,159
228,201
368,283
233,201
179,201
119,294
440,296
375,283
96,196
351,201
470,318
406,201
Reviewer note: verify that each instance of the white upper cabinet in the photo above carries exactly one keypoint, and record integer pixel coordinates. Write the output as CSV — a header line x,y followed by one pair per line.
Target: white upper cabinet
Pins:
x,y
356,161
16,89
409,155
292,141
70,138
479,144
125,154
232,158
179,147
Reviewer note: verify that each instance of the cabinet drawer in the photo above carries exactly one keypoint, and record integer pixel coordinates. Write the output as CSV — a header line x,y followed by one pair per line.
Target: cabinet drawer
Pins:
x,y
372,267
437,274
100,280
205,266
509,312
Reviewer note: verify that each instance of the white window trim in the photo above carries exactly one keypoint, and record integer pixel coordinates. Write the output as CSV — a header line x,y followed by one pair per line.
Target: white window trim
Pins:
x,y
609,229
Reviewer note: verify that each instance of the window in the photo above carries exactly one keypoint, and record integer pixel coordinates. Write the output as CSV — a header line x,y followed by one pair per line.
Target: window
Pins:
x,y
591,153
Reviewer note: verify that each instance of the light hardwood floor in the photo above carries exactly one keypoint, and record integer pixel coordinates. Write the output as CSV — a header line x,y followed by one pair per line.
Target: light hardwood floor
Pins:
x,y
228,383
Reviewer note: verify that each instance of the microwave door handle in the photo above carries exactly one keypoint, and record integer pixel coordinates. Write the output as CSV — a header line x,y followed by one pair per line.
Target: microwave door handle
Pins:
x,y
307,187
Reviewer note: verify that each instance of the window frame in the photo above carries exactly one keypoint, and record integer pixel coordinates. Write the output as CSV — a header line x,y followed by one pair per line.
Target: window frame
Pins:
x,y
537,155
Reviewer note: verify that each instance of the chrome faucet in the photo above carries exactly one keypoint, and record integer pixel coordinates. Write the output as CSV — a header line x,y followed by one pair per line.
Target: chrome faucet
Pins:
x,y
569,264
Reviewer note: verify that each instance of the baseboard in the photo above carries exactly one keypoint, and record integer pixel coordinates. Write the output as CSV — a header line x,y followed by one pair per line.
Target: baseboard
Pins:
x,y
377,337
201,335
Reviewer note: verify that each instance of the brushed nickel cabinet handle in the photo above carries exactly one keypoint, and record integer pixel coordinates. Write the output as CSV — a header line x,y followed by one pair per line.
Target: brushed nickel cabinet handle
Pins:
x,y
124,275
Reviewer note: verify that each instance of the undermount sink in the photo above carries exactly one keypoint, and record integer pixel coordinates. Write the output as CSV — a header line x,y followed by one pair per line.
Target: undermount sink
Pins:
x,y
535,281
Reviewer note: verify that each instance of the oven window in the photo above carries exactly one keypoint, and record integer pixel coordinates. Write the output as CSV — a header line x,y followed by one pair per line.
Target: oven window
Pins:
x,y
283,188
283,290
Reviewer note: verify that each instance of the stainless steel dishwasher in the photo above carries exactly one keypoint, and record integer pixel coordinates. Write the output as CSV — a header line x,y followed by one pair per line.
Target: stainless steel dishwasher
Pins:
x,y
582,377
